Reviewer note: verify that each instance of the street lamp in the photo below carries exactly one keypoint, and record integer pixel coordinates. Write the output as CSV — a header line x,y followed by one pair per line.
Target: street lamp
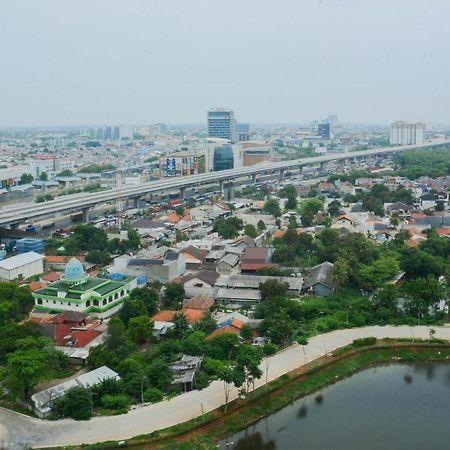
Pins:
x,y
348,310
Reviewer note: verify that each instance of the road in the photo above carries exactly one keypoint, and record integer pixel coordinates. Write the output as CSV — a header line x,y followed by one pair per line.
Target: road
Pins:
x,y
84,201
20,430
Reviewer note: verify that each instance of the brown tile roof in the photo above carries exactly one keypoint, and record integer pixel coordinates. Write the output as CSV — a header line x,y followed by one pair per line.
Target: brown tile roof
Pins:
x,y
164,316
199,302
223,330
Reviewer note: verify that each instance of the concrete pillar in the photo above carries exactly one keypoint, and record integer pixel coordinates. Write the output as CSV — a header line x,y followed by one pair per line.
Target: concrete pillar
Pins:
x,y
281,174
221,183
300,169
182,193
322,165
254,178
228,194
136,201
85,212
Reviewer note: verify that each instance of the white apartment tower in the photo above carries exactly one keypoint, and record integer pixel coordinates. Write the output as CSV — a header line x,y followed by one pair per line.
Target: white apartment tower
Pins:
x,y
403,133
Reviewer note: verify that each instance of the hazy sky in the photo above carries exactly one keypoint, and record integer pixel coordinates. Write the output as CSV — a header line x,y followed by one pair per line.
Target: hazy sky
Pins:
x,y
84,62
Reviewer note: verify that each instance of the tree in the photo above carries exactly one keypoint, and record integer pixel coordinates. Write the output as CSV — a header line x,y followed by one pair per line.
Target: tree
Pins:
x,y
291,203
25,368
65,173
269,350
77,404
334,208
194,344
140,329
394,220
43,176
246,333
228,228
379,272
181,325
279,328
248,359
340,272
149,297
99,257
207,324
288,191
273,288
26,178
159,374
440,206
117,340
221,346
229,376
250,230
132,307
179,210
261,226
173,295
272,207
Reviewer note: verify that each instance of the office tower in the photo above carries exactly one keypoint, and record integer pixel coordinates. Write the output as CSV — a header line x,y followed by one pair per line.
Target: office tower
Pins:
x,y
403,133
243,132
116,133
222,124
324,130
223,158
108,133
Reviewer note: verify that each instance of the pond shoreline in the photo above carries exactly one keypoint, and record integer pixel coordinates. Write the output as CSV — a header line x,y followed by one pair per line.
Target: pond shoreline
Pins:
x,y
205,432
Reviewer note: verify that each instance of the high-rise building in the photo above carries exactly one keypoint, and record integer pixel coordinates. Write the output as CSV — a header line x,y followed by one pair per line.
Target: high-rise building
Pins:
x,y
223,158
243,132
403,133
324,130
222,124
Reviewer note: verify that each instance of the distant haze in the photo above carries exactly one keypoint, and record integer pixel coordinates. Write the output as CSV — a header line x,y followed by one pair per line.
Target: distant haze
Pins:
x,y
144,61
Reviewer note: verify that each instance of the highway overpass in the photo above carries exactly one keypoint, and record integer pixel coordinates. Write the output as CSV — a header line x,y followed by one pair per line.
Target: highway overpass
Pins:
x,y
83,201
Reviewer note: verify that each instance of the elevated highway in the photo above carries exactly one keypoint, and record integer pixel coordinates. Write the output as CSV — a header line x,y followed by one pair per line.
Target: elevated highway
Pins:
x,y
76,202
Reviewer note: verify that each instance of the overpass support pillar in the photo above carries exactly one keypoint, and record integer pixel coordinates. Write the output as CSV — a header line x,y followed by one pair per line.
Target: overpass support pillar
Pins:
x,y
221,184
300,170
85,212
228,194
322,166
281,174
136,201
254,178
182,193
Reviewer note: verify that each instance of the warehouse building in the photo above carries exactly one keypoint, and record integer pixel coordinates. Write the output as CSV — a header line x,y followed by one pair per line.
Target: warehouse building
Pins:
x,y
24,266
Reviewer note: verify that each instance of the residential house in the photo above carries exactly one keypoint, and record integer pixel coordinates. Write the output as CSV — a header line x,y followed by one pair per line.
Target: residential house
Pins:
x,y
200,283
45,400
164,268
185,369
193,256
228,264
255,258
319,281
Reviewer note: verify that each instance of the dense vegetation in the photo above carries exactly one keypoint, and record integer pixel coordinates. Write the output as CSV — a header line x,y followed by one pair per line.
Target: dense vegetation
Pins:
x,y
26,358
94,241
417,163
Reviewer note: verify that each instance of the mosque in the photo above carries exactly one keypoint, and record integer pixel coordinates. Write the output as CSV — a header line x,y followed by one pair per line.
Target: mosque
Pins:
x,y
76,291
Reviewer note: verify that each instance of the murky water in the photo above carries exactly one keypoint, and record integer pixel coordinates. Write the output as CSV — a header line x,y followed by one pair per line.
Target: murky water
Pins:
x,y
396,407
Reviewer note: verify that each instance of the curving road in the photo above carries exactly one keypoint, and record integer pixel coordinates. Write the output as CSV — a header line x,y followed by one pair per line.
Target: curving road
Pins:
x,y
17,430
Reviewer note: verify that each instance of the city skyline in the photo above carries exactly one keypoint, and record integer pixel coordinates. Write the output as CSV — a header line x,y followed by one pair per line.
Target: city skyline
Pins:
x,y
371,62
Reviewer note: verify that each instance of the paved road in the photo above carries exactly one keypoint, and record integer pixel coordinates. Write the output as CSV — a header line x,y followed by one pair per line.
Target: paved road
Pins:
x,y
20,429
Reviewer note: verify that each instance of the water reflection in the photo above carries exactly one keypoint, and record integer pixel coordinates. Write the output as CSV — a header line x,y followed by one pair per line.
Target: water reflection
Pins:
x,y
254,442
407,403
302,412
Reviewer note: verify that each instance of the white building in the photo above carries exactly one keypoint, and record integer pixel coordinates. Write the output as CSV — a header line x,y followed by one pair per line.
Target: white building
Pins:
x,y
44,400
25,265
403,133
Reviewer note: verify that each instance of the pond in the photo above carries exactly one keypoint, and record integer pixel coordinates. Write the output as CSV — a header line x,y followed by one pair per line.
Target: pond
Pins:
x,y
395,407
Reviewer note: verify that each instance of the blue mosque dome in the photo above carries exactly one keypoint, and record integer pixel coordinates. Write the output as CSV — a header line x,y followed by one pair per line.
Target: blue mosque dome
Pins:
x,y
74,271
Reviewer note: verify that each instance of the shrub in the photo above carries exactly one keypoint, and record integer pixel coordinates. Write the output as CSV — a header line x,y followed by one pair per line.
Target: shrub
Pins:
x,y
118,402
153,395
362,342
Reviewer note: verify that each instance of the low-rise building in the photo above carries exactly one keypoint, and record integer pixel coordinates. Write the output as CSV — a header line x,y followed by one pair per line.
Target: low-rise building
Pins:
x,y
45,400
78,292
24,265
